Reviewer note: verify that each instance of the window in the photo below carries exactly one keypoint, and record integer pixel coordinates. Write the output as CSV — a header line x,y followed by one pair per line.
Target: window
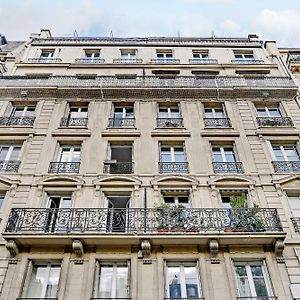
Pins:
x,y
230,195
10,158
92,54
294,201
77,116
69,154
47,54
169,117
44,281
200,54
23,111
165,57
244,57
285,153
113,280
59,201
268,111
128,54
2,197
214,112
123,117
252,279
215,116
272,116
175,198
182,281
19,116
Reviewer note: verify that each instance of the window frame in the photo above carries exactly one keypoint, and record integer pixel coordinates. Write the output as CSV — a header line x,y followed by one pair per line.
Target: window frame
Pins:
x,y
169,112
213,108
70,156
172,152
283,151
221,147
10,151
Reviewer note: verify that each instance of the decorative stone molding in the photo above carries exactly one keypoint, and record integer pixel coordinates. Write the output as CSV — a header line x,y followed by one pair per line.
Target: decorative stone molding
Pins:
x,y
214,249
12,247
279,247
78,248
145,248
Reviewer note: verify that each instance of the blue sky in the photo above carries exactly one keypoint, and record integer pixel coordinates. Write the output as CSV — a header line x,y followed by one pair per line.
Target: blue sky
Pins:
x,y
270,19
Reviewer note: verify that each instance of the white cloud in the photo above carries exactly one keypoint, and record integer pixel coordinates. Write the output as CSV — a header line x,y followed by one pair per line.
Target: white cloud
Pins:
x,y
282,26
229,27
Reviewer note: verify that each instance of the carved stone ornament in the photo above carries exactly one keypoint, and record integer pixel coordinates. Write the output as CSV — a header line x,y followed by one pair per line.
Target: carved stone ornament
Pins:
x,y
12,247
214,249
146,248
279,247
78,248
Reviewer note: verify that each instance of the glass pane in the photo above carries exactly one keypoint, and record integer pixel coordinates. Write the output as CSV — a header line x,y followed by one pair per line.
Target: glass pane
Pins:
x,y
291,153
105,282
209,113
274,112
179,155
191,281
3,152
53,280
242,281
261,112
76,155
229,155
277,153
183,200
165,154
219,113
217,157
256,271
65,202
129,112
174,282
169,200
37,281
15,153
260,287
295,206
18,111
121,282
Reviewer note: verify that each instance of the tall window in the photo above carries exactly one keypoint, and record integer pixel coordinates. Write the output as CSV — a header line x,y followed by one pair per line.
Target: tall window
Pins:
x,y
223,154
128,54
215,116
214,112
2,197
123,116
10,152
64,201
23,111
113,281
44,281
164,56
268,111
200,54
76,116
175,198
252,280
285,152
294,201
47,54
69,154
182,281
171,112
244,57
92,54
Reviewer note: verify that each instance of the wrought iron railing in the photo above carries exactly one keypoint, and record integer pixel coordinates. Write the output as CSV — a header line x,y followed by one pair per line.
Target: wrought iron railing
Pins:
x,y
121,122
173,167
89,60
73,122
296,223
228,167
44,60
142,220
30,298
188,298
64,167
110,298
286,166
258,298
248,61
9,166
149,82
169,122
17,121
203,61
127,61
165,61
118,167
217,122
274,121
293,57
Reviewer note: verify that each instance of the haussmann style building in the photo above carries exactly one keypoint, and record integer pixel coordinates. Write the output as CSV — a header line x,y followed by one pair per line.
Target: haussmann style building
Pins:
x,y
149,169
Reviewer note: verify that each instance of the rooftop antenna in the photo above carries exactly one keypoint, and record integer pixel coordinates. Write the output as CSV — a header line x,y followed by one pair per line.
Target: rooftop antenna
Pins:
x,y
111,34
75,34
213,36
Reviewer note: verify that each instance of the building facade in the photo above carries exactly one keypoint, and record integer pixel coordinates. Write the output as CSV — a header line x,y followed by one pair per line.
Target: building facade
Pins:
x,y
149,169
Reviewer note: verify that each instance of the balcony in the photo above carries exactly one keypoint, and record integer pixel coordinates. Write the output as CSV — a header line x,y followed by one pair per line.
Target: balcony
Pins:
x,y
117,167
293,57
286,166
9,166
165,61
247,61
203,61
173,167
73,122
64,167
44,60
217,122
296,223
169,122
17,121
127,61
274,121
89,60
228,167
121,122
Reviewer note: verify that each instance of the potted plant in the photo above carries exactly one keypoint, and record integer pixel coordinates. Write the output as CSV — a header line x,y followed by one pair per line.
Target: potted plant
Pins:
x,y
162,217
179,218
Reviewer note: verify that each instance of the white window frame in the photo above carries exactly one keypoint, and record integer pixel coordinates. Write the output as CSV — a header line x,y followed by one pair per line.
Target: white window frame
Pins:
x,y
172,152
65,197
266,108
181,265
2,198
213,110
170,114
10,151
250,277
224,160
283,151
164,54
200,54
114,285
79,113
92,53
244,54
50,53
176,196
124,111
128,53
24,112
296,197
71,155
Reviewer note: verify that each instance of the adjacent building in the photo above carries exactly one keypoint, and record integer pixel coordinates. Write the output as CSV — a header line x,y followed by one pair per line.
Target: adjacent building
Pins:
x,y
149,169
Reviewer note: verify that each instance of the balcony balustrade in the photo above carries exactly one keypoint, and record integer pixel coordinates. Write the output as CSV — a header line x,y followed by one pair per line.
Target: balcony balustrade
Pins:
x,y
9,166
203,61
296,223
293,57
228,167
89,60
274,121
248,61
73,122
165,61
29,298
64,167
141,220
121,122
118,167
169,122
127,61
173,167
44,60
258,298
188,298
286,166
111,299
17,121
217,122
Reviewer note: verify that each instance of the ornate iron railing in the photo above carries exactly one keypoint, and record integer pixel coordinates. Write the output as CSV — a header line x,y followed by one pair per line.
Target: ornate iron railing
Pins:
x,y
17,121
117,167
44,60
217,122
203,61
121,122
169,122
9,166
173,167
228,167
127,61
64,167
110,298
248,61
165,61
286,166
296,223
293,57
73,122
89,60
142,220
29,298
274,121
258,298
188,298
